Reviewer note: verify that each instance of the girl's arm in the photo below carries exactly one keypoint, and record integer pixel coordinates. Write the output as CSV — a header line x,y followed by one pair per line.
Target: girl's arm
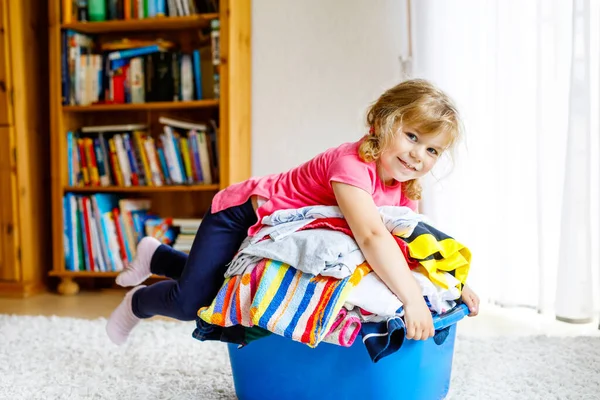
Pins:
x,y
384,256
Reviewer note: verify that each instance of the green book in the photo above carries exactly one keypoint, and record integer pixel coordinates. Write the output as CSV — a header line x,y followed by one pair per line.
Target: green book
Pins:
x,y
97,10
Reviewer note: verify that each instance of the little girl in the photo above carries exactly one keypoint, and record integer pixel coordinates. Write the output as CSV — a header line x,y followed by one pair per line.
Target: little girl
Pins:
x,y
411,125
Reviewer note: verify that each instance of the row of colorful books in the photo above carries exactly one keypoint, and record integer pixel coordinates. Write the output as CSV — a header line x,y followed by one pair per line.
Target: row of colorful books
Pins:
x,y
101,231
127,155
103,10
136,71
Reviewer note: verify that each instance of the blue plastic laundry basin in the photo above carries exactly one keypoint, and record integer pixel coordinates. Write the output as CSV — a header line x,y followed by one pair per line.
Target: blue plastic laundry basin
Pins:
x,y
277,368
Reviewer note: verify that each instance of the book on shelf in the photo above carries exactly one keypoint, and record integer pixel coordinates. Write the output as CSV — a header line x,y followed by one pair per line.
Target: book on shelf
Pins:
x,y
135,71
108,10
101,231
177,232
184,153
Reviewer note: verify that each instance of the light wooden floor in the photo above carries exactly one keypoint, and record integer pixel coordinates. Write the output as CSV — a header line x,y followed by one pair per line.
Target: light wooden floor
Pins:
x,y
87,304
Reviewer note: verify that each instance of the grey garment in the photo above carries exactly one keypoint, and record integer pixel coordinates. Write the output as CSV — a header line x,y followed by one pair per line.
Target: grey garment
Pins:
x,y
241,264
314,251
346,262
280,231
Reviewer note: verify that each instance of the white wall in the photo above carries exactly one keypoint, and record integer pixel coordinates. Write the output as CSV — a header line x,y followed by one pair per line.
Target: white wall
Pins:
x,y
316,66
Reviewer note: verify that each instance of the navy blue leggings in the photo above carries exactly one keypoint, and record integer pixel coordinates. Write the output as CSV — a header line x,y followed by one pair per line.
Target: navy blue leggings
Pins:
x,y
199,276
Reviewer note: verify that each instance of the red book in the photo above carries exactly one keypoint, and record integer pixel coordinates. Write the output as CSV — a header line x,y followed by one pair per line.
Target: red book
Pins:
x,y
88,233
122,250
91,162
119,81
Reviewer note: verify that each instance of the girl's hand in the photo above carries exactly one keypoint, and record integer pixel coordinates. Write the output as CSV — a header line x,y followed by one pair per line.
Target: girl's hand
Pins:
x,y
471,300
419,323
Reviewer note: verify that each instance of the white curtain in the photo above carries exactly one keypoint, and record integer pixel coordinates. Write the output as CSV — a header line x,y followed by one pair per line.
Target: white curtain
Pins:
x,y
508,64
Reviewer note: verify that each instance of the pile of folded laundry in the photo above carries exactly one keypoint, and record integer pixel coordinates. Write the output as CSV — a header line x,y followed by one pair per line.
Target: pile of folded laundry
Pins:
x,y
302,276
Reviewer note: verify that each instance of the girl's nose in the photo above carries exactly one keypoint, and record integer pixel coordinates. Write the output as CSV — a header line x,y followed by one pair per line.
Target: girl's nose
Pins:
x,y
414,154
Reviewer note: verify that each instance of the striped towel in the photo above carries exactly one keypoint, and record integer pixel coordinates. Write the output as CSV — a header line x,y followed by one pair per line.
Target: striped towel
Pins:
x,y
233,302
300,306
283,300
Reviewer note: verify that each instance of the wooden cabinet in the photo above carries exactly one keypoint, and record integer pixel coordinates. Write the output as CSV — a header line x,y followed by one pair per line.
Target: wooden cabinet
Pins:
x,y
24,178
8,244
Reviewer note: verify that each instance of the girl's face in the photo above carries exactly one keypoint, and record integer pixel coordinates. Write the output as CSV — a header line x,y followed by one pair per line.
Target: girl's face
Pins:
x,y
411,155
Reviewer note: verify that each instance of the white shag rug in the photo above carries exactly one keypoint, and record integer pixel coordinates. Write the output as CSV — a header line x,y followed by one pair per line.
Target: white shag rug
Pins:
x,y
67,358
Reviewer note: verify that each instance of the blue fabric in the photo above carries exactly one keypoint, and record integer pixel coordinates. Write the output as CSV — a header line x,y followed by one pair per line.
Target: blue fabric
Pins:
x,y
217,240
441,335
236,334
205,331
383,338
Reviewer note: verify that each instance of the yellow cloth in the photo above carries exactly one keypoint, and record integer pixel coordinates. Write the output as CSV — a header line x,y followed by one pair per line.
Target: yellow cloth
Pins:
x,y
438,253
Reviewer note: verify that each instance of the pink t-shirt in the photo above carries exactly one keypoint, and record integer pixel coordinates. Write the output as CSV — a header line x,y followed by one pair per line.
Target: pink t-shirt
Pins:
x,y
310,184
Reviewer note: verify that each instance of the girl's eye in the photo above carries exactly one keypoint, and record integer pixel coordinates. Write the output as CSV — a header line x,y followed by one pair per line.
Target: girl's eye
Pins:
x,y
411,136
432,151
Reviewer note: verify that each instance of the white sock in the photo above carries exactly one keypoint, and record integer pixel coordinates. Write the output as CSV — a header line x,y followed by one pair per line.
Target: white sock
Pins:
x,y
122,320
139,270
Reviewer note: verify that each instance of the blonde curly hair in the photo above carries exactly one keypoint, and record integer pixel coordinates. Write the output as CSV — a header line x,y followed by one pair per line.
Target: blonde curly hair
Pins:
x,y
416,103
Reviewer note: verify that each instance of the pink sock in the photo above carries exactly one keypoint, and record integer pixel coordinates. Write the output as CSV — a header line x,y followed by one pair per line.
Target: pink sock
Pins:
x,y
122,320
338,319
139,270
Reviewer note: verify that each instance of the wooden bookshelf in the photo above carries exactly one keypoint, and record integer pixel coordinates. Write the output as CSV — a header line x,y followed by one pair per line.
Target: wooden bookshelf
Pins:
x,y
160,105
232,110
87,274
142,189
198,21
